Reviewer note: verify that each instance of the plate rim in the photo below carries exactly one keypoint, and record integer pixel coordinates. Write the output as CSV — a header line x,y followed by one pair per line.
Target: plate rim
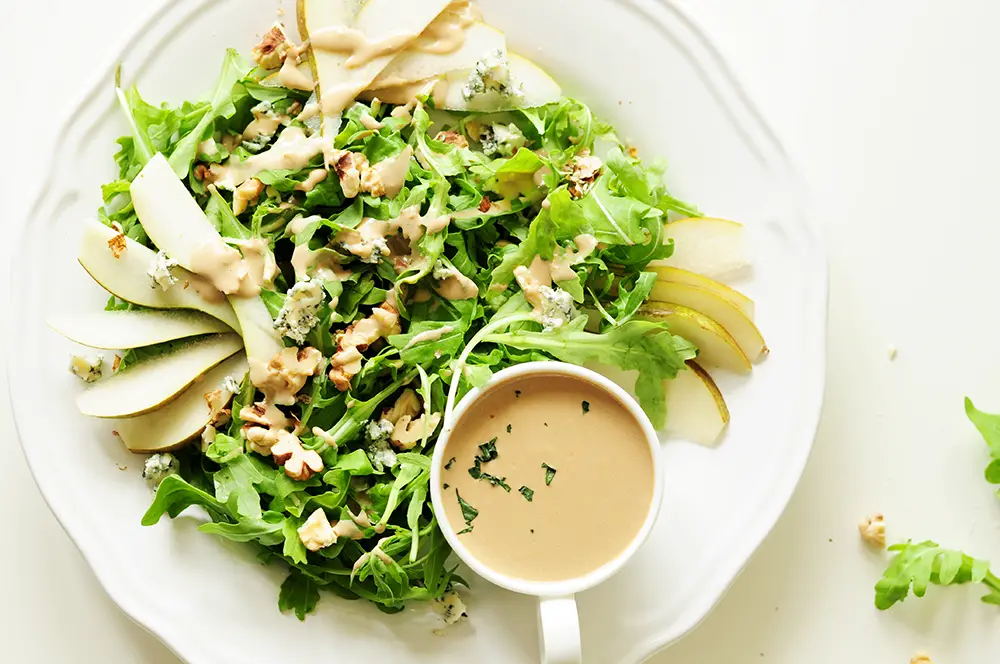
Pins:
x,y
731,96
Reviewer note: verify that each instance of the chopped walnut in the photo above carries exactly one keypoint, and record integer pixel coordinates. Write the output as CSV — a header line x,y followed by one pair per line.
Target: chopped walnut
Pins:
x,y
348,168
117,244
872,530
261,439
287,373
452,138
246,194
485,205
409,432
586,170
272,49
407,405
371,182
299,463
202,173
346,363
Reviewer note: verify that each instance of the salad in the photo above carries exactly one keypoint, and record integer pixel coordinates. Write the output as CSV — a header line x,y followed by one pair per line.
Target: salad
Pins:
x,y
297,263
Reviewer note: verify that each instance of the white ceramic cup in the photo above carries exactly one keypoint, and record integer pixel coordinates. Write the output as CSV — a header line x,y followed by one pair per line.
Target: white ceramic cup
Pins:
x,y
558,622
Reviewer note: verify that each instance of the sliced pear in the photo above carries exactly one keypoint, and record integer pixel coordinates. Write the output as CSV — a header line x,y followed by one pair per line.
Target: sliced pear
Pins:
x,y
411,66
538,88
723,312
716,347
171,217
115,330
152,383
715,248
176,224
379,20
401,94
696,410
171,427
679,276
325,66
126,278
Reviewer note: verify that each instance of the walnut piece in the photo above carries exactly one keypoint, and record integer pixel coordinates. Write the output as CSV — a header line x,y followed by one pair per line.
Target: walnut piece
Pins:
x,y
348,168
346,362
452,138
118,245
406,405
272,49
246,194
586,170
299,463
872,530
407,432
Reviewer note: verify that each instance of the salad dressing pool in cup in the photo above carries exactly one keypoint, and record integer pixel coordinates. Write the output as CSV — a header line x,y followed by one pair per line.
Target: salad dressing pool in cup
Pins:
x,y
545,481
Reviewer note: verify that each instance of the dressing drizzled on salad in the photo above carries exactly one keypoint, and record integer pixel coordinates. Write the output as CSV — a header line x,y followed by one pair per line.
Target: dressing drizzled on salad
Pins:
x,y
358,248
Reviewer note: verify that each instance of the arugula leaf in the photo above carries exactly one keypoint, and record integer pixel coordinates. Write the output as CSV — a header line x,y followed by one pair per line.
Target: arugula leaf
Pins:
x,y
469,513
989,427
643,346
298,593
926,563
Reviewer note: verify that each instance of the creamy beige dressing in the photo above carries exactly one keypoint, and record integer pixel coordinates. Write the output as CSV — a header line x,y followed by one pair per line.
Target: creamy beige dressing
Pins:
x,y
300,223
292,151
365,239
320,263
355,44
264,123
393,171
413,226
290,76
569,528
457,286
225,268
314,178
261,266
309,111
429,335
446,33
368,122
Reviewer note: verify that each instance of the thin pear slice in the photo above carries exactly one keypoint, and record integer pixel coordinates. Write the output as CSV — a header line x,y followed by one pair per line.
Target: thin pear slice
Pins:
x,y
118,330
538,89
716,347
172,426
176,224
313,14
171,217
715,248
696,410
126,278
723,312
380,21
152,383
679,276
411,66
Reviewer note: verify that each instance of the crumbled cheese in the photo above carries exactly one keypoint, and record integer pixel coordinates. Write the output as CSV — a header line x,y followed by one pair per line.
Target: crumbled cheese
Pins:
x,y
492,74
317,533
298,314
441,271
230,384
451,607
379,450
159,271
499,140
556,307
88,368
872,530
158,467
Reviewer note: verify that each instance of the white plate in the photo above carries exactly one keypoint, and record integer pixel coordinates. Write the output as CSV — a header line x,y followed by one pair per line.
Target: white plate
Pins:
x,y
640,63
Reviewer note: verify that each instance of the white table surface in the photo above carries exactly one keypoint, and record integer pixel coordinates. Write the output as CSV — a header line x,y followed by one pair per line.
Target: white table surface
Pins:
x,y
891,109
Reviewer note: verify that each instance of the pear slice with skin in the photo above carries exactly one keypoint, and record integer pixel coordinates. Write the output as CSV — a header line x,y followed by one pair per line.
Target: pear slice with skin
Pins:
x,y
538,89
175,424
176,224
726,314
379,22
118,330
696,410
716,347
714,248
678,276
152,383
126,278
412,66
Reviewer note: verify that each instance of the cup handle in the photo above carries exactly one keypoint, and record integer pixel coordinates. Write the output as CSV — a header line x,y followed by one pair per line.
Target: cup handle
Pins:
x,y
559,630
